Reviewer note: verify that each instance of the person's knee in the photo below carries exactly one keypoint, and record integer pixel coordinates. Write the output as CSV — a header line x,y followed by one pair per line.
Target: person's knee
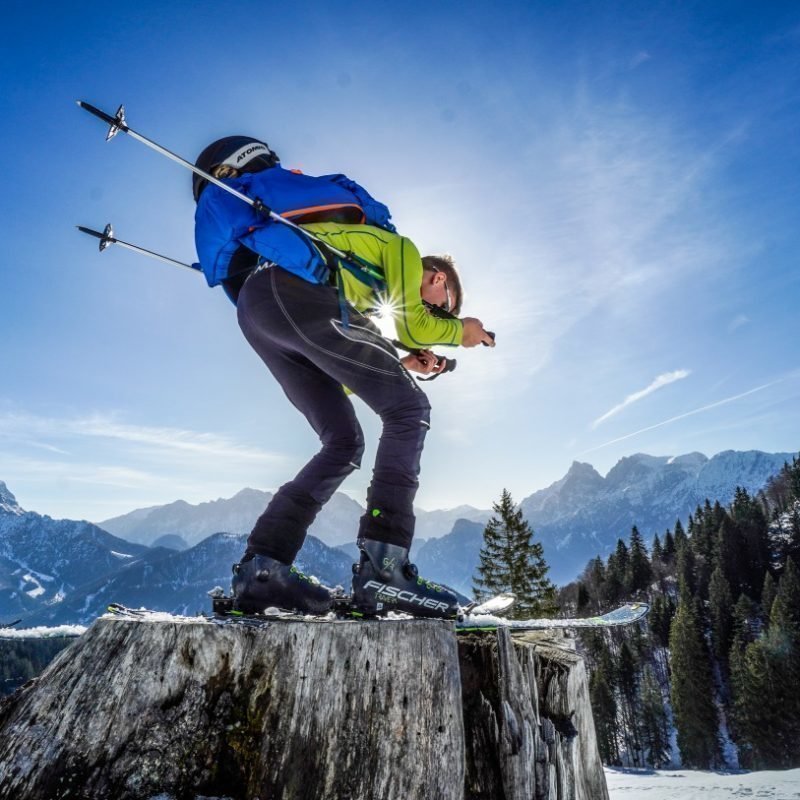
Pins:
x,y
413,412
348,448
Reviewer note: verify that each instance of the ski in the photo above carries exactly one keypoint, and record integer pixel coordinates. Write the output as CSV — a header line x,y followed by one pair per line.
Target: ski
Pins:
x,y
342,610
624,615
10,624
498,604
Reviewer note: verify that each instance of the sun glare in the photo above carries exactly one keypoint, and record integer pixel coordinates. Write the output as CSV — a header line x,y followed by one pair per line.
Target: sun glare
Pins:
x,y
385,314
386,309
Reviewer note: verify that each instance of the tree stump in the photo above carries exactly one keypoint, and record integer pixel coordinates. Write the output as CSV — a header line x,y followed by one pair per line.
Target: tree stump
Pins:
x,y
384,710
528,720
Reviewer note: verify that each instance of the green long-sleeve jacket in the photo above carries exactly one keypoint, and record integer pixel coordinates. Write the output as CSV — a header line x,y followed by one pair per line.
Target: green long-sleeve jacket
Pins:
x,y
400,262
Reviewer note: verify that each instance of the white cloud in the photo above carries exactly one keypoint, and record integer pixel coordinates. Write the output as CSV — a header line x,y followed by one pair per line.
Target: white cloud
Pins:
x,y
700,410
665,379
737,322
41,431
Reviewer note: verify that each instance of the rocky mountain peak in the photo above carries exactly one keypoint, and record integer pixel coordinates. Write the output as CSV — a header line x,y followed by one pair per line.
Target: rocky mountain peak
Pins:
x,y
8,503
581,469
693,460
634,469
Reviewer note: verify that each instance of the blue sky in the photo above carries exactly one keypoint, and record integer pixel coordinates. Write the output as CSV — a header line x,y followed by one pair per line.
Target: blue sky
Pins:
x,y
618,182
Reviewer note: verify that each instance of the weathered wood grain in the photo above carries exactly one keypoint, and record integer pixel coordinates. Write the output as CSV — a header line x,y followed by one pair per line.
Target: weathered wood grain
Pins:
x,y
527,720
292,710
331,710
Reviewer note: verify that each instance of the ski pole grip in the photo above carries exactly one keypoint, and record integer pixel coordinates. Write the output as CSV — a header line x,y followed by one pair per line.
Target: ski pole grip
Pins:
x,y
492,334
98,113
96,234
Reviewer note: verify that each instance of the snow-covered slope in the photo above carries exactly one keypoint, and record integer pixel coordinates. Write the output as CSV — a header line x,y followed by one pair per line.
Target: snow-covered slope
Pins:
x,y
698,785
178,582
43,561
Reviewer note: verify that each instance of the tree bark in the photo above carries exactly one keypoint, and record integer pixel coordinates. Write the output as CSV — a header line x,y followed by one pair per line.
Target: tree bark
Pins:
x,y
392,710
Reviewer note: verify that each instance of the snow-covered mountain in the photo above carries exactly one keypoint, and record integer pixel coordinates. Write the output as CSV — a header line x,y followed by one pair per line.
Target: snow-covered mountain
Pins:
x,y
8,503
42,560
336,525
57,568
584,514
65,571
178,582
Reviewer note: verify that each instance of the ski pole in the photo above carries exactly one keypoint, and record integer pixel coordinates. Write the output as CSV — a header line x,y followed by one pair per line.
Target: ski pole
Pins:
x,y
107,238
118,123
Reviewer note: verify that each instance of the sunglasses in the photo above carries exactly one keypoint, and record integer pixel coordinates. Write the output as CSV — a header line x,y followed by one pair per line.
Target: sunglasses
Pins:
x,y
448,307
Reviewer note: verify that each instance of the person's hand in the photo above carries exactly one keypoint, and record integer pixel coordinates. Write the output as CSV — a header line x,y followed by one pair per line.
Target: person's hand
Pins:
x,y
424,362
474,334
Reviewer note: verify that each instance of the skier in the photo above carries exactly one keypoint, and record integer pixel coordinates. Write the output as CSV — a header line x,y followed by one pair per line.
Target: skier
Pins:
x,y
290,297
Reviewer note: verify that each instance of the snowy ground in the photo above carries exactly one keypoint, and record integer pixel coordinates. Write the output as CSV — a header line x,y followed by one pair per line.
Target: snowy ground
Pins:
x,y
690,785
42,633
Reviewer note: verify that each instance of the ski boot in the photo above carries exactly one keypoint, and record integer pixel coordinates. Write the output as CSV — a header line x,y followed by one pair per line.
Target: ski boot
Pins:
x,y
262,582
384,580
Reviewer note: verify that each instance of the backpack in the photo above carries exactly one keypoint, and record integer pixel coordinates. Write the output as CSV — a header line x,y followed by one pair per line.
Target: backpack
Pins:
x,y
224,224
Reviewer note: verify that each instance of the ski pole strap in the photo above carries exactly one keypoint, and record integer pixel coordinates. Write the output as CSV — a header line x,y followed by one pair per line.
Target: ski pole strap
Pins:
x,y
414,351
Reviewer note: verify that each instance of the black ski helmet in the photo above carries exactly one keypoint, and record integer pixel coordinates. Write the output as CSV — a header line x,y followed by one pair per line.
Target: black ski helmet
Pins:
x,y
240,152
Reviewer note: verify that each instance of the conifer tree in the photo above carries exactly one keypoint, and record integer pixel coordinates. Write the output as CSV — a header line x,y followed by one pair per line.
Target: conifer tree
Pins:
x,y
794,479
785,611
680,534
593,578
692,690
657,551
767,704
768,596
617,573
654,722
660,619
751,523
628,685
511,561
639,573
685,570
792,549
604,707
764,675
669,547
614,585
706,525
583,598
727,555
720,602
744,621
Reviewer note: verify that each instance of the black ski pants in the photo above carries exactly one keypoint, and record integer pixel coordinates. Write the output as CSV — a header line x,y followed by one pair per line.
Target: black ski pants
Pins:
x,y
296,329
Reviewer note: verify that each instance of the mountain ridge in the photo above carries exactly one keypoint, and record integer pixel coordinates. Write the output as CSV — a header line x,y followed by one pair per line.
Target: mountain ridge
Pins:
x,y
45,562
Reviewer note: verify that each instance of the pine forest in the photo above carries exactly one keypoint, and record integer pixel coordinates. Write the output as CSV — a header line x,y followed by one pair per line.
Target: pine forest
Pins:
x,y
711,679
